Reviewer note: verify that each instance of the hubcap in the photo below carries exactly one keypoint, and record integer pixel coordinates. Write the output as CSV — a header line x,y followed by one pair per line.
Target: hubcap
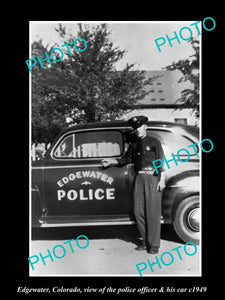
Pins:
x,y
193,219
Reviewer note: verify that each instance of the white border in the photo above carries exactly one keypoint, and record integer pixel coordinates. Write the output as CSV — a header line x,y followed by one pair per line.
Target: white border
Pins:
x,y
200,127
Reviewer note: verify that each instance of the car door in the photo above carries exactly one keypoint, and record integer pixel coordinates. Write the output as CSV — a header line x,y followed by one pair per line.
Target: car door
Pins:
x,y
76,186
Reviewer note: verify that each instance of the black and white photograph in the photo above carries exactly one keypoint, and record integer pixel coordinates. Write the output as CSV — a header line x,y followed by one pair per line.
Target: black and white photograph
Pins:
x,y
115,166
116,148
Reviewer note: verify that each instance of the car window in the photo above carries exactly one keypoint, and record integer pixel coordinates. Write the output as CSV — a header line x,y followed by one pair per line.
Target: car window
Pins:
x,y
172,142
93,144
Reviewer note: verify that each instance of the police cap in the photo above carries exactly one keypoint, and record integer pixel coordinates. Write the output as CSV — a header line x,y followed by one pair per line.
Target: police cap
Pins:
x,y
138,121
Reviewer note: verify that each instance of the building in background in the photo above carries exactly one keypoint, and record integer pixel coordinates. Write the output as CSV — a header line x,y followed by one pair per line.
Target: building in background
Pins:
x,y
161,103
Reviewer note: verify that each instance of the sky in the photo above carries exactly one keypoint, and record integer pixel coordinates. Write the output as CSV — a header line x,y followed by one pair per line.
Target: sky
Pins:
x,y
138,38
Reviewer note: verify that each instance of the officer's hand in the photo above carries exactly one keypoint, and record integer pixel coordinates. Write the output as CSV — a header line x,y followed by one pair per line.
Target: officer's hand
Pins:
x,y
106,162
161,185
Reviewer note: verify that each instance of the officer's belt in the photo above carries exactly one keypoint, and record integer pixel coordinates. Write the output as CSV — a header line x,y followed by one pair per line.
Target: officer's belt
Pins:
x,y
147,170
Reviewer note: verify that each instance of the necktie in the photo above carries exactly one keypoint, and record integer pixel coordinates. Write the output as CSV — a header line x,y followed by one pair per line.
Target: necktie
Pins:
x,y
139,149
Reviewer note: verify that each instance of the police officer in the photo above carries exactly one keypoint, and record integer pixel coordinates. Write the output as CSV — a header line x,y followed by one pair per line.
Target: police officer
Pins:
x,y
148,185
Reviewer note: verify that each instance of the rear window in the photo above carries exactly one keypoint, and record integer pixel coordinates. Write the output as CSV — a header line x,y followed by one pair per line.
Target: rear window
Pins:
x,y
172,142
90,144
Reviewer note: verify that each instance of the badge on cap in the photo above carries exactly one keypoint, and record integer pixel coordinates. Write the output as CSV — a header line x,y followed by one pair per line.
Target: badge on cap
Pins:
x,y
137,121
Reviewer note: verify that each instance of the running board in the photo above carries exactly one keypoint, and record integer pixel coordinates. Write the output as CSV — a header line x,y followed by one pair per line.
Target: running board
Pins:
x,y
44,225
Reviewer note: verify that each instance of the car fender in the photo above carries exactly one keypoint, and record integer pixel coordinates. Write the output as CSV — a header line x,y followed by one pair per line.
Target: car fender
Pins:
x,y
36,208
178,188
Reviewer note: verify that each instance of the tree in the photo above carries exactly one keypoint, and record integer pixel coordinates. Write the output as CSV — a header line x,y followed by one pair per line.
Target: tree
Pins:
x,y
190,70
84,87
48,112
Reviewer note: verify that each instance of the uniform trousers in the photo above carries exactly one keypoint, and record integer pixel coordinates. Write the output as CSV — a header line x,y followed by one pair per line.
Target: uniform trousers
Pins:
x,y
147,208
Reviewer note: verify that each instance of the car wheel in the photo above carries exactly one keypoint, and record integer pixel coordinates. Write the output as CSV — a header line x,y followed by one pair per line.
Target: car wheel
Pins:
x,y
187,220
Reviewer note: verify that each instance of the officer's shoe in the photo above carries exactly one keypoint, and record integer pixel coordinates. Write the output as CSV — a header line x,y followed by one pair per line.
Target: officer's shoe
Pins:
x,y
140,248
153,250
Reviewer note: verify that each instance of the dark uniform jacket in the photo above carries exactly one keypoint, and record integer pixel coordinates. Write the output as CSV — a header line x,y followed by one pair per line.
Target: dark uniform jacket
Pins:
x,y
142,153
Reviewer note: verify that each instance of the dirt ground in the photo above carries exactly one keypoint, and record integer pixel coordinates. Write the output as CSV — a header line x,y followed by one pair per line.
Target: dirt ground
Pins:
x,y
111,252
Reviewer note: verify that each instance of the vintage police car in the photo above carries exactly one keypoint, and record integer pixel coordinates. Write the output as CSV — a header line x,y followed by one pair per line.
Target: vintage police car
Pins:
x,y
70,187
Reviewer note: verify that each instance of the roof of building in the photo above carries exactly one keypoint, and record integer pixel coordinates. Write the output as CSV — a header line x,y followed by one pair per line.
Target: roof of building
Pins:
x,y
165,89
